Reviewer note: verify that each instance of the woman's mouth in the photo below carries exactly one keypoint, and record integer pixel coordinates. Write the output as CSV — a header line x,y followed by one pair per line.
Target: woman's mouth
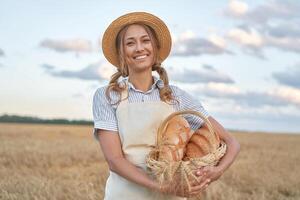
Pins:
x,y
140,57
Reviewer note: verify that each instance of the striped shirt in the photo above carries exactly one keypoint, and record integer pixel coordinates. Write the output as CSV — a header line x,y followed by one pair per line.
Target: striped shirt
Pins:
x,y
104,112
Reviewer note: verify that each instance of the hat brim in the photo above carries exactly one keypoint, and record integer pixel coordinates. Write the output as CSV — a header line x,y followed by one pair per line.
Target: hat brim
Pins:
x,y
110,35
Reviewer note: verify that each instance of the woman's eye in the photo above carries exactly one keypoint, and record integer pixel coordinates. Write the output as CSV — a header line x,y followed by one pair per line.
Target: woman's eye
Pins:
x,y
129,43
146,40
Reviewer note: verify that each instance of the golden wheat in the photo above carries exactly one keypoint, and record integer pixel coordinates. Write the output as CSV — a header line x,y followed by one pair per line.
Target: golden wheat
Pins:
x,y
63,162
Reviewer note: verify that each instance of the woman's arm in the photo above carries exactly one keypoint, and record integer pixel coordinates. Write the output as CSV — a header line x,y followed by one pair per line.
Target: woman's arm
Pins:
x,y
111,147
233,147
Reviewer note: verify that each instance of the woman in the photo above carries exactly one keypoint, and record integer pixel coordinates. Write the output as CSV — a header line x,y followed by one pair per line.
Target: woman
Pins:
x,y
129,110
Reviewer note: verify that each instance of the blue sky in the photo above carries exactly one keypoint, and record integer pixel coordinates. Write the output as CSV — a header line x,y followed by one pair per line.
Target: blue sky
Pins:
x,y
239,58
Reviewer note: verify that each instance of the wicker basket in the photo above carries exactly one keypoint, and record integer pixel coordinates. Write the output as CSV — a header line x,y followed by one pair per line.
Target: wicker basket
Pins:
x,y
180,174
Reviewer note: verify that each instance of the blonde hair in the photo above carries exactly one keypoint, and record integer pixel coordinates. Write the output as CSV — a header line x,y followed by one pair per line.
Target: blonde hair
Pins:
x,y
165,92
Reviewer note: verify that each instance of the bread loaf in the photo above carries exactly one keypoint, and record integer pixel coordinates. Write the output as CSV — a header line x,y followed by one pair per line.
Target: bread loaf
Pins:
x,y
201,143
175,137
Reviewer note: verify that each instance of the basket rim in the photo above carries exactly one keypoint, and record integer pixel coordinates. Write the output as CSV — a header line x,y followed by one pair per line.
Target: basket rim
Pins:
x,y
218,153
163,125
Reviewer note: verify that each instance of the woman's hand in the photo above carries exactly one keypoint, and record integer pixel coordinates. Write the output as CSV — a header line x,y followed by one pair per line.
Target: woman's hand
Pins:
x,y
195,189
199,187
209,174
206,175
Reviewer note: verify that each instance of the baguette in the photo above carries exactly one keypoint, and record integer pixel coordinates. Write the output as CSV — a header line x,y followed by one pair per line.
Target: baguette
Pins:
x,y
201,143
175,138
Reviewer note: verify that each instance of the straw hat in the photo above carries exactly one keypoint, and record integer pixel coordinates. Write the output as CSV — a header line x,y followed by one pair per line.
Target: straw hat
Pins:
x,y
109,38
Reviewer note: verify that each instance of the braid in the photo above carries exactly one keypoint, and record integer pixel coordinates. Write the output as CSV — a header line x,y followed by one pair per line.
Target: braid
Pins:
x,y
165,93
114,86
122,69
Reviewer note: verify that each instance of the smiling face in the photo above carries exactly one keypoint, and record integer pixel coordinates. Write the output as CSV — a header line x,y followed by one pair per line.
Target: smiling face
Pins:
x,y
138,49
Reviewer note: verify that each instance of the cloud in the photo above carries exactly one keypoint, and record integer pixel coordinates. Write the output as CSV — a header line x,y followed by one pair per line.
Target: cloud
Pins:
x,y
284,43
254,42
275,109
236,8
262,14
273,24
249,98
281,96
287,94
74,45
274,10
1,52
249,39
289,77
260,99
48,67
267,118
205,75
1,55
217,40
94,72
187,44
283,30
219,90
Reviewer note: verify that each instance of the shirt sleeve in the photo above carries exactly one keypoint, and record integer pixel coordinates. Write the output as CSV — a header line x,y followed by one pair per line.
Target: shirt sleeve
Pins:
x,y
104,113
188,102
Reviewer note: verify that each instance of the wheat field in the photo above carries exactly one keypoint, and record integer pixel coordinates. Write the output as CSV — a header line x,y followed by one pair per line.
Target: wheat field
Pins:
x,y
64,162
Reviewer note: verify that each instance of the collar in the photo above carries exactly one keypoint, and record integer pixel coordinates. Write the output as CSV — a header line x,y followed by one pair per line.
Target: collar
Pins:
x,y
122,81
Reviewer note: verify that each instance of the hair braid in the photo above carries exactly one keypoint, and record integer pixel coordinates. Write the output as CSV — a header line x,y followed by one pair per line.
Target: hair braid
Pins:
x,y
165,92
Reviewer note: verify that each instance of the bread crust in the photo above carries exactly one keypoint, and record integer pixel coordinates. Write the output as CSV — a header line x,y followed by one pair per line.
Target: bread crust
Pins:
x,y
201,143
175,137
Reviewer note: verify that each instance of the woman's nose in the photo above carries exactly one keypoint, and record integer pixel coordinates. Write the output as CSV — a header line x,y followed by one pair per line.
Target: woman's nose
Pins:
x,y
139,46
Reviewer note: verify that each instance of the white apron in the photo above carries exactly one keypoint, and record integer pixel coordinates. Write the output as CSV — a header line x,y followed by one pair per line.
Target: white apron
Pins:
x,y
138,124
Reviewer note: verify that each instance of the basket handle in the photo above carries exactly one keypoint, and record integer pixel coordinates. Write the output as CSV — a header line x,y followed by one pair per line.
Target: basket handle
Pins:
x,y
163,125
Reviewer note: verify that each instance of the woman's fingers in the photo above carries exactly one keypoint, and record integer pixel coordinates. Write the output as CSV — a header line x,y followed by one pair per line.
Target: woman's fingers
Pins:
x,y
200,187
195,191
192,194
199,171
202,171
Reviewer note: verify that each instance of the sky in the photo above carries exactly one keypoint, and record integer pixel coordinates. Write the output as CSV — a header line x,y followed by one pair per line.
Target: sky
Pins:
x,y
240,59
